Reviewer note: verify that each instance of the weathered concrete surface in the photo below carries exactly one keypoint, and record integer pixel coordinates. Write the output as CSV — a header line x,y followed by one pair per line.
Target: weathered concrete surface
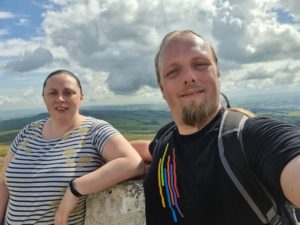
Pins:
x,y
123,204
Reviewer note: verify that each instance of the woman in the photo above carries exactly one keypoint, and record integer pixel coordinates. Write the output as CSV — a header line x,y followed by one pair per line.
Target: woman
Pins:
x,y
54,163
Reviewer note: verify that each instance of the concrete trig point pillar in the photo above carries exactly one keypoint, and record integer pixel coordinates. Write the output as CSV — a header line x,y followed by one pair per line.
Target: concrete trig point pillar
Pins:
x,y
122,204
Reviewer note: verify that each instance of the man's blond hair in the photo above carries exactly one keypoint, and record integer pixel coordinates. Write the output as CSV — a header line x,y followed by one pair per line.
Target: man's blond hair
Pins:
x,y
174,34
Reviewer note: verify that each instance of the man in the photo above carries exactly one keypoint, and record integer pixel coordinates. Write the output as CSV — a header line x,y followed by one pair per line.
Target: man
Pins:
x,y
186,183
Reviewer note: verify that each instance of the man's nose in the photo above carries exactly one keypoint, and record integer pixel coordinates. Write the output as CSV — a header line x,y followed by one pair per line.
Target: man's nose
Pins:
x,y
189,76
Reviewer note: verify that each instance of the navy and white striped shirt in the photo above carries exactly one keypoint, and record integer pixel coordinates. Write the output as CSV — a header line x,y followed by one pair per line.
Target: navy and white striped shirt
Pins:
x,y
38,175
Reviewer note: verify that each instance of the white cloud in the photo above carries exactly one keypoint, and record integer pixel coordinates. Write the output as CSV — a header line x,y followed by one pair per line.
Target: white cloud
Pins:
x,y
120,37
23,22
8,100
15,47
263,77
292,6
111,44
3,32
6,15
248,32
30,60
11,102
29,92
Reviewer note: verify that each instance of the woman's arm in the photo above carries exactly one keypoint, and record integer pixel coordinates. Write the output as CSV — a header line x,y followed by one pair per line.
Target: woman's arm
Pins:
x,y
3,189
123,162
142,147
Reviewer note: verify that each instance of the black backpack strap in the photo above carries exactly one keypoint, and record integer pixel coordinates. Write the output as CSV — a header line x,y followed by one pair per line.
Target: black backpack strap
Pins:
x,y
163,138
237,167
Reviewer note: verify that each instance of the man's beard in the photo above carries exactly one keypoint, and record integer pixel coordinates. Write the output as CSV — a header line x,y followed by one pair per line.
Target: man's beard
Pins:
x,y
195,114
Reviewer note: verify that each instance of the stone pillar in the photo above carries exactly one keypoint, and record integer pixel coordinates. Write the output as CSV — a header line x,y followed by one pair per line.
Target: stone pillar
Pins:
x,y
123,204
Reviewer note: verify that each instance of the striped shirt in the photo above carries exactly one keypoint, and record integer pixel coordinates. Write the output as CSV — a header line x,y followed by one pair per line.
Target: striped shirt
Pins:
x,y
41,169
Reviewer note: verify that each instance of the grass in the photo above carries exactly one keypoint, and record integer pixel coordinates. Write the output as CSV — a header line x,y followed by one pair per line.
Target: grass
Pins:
x,y
131,136
6,132
3,150
294,113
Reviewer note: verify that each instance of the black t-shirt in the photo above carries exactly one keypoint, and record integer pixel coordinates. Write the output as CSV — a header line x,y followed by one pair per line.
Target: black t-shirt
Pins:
x,y
187,184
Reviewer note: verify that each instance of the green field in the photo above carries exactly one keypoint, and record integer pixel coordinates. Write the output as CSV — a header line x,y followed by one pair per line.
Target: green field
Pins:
x,y
3,150
133,124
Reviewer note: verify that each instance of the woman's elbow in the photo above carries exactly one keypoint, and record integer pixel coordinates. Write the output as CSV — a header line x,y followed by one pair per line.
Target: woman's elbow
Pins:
x,y
140,167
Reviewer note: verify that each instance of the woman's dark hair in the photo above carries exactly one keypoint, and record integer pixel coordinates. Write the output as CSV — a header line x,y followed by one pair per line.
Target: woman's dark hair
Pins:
x,y
62,71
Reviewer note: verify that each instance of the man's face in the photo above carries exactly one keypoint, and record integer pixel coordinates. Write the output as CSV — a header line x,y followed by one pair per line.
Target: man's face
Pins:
x,y
189,80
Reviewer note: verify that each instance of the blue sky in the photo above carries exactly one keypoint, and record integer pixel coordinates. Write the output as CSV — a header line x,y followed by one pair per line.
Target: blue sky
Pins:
x,y
23,18
110,45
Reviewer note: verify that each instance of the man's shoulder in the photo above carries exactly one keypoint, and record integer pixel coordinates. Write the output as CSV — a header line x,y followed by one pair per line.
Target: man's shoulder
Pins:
x,y
266,128
166,128
163,131
262,122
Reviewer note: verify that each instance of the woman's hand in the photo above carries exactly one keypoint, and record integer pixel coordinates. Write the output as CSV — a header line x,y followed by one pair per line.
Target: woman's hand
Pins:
x,y
66,206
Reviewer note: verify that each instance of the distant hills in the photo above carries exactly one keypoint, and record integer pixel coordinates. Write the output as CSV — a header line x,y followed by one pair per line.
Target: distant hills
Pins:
x,y
133,124
142,121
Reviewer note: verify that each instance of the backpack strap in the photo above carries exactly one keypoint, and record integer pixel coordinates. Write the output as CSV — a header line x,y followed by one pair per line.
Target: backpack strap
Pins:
x,y
237,167
163,139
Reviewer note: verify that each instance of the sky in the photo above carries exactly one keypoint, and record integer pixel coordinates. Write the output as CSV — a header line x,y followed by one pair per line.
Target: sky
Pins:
x,y
111,44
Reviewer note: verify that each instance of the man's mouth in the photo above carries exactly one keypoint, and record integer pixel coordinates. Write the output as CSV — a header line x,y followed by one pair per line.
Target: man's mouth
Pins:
x,y
191,93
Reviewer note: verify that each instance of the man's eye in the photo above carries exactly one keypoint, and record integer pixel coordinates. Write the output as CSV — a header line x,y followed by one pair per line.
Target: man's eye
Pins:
x,y
201,64
171,73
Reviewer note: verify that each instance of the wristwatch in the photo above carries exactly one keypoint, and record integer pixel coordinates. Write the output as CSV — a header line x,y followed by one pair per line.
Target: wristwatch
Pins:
x,y
73,189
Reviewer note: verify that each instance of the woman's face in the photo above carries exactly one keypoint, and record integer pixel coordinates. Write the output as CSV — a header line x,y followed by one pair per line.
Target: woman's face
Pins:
x,y
62,96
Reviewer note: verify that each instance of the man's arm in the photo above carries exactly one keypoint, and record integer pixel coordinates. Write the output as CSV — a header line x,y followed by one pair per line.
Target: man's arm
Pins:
x,y
290,181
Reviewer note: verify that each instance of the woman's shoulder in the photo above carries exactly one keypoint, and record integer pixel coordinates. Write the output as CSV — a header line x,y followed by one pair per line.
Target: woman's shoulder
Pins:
x,y
29,129
92,125
38,123
95,122
35,125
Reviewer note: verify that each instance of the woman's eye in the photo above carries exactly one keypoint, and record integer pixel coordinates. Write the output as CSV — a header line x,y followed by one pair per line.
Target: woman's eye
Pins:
x,y
69,93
